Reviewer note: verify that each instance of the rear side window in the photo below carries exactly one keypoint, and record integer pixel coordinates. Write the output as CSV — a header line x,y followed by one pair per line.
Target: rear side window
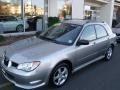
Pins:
x,y
89,33
100,31
11,18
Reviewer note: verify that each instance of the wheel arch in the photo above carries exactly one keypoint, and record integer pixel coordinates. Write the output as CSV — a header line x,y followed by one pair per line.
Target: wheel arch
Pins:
x,y
66,61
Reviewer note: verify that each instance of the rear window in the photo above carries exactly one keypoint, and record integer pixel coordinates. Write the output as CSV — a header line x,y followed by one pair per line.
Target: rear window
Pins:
x,y
101,31
7,18
2,18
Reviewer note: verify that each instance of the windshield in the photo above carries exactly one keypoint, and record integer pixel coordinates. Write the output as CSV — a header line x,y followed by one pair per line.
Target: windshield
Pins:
x,y
63,34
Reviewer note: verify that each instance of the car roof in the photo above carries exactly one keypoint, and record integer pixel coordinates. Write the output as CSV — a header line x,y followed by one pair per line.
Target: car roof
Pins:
x,y
81,22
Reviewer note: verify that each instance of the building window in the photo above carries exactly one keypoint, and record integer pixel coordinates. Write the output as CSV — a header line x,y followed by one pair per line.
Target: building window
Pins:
x,y
64,9
10,8
34,12
10,16
19,16
91,12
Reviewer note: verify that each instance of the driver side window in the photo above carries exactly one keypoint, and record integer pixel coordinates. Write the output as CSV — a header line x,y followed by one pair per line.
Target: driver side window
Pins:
x,y
88,33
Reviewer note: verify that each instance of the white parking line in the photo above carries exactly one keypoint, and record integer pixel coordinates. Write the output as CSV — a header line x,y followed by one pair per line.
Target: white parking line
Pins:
x,y
5,85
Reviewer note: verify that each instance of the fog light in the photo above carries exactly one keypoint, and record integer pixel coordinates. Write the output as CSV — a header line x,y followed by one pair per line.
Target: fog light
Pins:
x,y
34,82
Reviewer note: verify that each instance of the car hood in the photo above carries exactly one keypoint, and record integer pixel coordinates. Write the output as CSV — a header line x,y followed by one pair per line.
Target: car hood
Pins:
x,y
31,49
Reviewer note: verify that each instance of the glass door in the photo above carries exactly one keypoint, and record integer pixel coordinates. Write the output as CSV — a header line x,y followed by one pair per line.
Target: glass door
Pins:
x,y
34,14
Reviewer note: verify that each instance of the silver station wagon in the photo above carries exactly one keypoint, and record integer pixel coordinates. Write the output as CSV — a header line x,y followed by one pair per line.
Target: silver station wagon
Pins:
x,y
52,56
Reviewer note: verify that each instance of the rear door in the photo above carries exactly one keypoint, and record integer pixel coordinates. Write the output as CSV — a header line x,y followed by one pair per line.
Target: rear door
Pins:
x,y
102,41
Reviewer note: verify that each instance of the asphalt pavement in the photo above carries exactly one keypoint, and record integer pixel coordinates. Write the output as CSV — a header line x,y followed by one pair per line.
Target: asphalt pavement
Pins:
x,y
102,75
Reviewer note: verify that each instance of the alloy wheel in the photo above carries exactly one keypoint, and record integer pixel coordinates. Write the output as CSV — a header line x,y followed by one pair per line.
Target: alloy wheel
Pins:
x,y
60,76
20,28
109,53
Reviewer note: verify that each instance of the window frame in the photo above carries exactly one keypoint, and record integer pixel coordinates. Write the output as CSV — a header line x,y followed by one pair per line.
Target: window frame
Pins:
x,y
104,29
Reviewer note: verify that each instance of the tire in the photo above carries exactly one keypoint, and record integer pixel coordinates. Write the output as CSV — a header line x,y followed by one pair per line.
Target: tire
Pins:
x,y
59,75
109,53
20,28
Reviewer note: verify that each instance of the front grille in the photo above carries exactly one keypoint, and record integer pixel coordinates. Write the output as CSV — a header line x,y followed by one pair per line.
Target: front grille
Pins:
x,y
14,64
6,62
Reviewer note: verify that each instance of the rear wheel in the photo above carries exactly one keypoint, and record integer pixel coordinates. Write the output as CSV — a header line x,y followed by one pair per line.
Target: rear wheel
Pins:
x,y
109,53
20,28
59,75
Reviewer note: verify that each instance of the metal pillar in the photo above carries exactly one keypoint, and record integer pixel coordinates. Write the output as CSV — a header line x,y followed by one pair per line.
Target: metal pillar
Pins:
x,y
23,12
45,14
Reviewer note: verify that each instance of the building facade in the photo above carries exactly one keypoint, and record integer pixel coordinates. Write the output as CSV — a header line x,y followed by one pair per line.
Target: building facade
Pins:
x,y
36,12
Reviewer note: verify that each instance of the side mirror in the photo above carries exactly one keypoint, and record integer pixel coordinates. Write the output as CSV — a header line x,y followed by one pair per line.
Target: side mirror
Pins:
x,y
82,42
37,33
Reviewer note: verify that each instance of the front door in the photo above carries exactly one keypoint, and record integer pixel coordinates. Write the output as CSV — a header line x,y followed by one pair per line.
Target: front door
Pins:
x,y
85,53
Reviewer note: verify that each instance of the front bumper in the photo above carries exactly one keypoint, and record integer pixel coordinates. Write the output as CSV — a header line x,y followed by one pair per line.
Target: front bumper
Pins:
x,y
25,86
22,79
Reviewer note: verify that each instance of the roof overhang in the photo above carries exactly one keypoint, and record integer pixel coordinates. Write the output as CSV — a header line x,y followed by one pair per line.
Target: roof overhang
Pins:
x,y
103,1
92,4
117,1
96,3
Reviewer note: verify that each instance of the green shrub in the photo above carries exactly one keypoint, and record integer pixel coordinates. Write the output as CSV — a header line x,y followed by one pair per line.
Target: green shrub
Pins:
x,y
2,38
52,21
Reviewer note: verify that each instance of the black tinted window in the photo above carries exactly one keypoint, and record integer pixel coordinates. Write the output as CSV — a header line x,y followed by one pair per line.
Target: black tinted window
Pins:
x,y
7,18
2,18
88,33
11,18
100,30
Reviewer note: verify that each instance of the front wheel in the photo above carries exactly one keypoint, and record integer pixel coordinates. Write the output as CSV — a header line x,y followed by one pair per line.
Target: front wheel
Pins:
x,y
109,53
59,75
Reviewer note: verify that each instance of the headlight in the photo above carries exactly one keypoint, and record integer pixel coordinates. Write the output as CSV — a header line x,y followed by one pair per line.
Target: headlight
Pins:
x,y
28,66
3,56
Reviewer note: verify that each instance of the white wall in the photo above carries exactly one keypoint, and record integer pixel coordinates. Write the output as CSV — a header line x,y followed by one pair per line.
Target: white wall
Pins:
x,y
77,9
106,12
52,8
